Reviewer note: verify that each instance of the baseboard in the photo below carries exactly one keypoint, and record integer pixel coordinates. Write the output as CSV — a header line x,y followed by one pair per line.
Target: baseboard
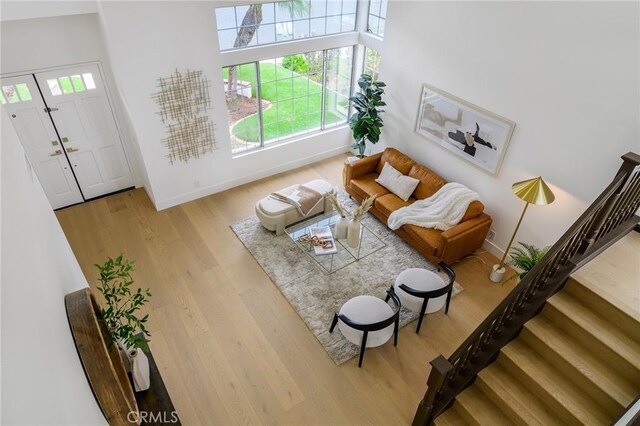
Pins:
x,y
493,249
232,183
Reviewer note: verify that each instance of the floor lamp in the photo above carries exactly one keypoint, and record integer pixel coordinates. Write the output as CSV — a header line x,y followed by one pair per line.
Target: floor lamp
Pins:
x,y
531,191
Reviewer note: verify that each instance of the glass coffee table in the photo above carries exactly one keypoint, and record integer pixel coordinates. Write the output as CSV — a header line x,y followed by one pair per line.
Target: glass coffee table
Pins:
x,y
345,255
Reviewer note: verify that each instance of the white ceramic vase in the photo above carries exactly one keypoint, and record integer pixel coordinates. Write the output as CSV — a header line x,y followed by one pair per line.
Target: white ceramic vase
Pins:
x,y
139,369
342,226
124,355
353,234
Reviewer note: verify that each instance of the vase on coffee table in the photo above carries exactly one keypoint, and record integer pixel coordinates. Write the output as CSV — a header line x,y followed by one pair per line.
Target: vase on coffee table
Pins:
x,y
353,233
342,227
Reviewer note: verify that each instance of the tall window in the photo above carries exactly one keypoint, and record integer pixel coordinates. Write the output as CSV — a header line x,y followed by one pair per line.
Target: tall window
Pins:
x,y
266,23
377,17
280,98
371,62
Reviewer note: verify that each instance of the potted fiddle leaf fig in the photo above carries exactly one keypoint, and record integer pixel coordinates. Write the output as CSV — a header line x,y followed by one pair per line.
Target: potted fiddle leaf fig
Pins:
x,y
121,315
524,259
366,122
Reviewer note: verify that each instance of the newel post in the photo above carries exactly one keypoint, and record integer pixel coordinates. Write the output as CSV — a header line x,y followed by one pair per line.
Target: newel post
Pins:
x,y
440,369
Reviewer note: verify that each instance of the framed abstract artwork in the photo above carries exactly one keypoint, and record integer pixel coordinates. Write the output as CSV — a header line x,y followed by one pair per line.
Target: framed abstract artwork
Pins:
x,y
466,130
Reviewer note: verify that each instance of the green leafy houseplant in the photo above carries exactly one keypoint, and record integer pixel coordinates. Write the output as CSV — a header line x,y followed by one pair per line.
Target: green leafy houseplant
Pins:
x,y
366,122
524,259
122,304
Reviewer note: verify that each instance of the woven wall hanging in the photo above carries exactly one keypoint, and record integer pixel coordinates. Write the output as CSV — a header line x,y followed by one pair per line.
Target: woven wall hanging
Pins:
x,y
183,99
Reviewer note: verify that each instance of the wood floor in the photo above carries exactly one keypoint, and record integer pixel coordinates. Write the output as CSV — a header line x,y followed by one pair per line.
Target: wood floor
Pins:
x,y
230,347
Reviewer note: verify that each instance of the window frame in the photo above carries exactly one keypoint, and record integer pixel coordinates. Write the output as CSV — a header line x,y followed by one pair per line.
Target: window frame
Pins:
x,y
262,144
255,42
381,15
364,61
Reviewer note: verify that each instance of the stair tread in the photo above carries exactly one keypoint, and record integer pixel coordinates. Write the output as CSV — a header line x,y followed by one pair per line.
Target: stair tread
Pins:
x,y
593,368
480,407
598,298
554,383
597,326
451,417
498,383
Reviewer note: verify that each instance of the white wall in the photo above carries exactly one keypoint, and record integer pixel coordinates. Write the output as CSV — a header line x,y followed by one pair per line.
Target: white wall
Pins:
x,y
42,378
182,35
33,44
14,10
565,72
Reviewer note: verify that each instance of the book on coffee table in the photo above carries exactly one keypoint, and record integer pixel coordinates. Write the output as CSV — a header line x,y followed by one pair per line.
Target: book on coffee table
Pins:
x,y
324,235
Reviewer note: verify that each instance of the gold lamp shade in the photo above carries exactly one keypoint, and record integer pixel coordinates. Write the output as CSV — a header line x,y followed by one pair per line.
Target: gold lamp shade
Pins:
x,y
534,191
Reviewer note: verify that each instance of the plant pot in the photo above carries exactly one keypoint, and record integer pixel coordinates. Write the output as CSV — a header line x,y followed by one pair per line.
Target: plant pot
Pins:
x,y
497,273
353,233
342,227
139,369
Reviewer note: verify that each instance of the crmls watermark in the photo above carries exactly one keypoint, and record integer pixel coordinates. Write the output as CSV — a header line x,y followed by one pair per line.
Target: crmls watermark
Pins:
x,y
160,417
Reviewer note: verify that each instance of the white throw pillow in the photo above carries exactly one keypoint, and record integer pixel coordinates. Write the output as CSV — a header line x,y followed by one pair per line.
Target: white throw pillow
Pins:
x,y
401,185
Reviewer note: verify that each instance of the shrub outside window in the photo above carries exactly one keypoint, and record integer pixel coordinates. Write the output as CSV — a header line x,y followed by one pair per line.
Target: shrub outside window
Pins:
x,y
371,62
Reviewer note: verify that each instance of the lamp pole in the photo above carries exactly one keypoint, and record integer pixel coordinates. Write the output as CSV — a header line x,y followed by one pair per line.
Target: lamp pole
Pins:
x,y
504,256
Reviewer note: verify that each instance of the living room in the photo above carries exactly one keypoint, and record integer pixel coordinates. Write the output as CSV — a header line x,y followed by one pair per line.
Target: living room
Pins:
x,y
231,346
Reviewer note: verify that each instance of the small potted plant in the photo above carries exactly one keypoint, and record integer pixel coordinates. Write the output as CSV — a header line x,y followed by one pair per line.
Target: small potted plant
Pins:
x,y
366,122
121,316
524,259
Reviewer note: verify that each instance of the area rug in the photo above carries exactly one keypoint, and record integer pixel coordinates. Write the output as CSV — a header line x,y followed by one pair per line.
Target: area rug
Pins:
x,y
316,295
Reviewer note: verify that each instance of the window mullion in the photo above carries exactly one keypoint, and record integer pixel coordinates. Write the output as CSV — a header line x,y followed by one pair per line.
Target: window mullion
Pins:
x,y
324,88
259,99
354,82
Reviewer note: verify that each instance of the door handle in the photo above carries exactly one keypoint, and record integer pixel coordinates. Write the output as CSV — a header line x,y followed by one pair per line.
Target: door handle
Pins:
x,y
56,153
72,149
50,109
54,143
64,140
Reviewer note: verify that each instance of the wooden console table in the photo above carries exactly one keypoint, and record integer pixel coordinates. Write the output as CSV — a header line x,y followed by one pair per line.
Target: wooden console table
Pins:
x,y
106,374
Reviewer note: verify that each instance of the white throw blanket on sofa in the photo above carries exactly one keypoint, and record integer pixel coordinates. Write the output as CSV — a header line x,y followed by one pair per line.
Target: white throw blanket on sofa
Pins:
x,y
442,210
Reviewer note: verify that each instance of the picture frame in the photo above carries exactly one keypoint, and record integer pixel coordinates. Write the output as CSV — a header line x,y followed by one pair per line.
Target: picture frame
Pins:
x,y
464,129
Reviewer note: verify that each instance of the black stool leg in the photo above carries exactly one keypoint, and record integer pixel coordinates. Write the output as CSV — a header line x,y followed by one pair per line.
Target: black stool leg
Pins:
x,y
446,310
386,299
333,323
395,332
363,347
422,311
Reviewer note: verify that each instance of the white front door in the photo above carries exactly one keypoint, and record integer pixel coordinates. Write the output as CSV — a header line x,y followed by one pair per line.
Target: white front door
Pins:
x,y
83,117
22,101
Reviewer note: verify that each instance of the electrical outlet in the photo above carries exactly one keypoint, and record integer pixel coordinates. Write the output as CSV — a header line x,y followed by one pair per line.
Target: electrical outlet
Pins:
x,y
492,235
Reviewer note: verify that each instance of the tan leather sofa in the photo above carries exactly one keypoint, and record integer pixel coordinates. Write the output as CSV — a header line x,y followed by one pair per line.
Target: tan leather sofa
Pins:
x,y
448,246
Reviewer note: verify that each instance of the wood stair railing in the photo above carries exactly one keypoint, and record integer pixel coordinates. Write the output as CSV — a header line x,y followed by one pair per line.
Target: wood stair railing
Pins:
x,y
609,218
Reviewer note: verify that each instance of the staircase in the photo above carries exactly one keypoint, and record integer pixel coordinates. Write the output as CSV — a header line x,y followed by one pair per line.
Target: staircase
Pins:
x,y
556,349
578,362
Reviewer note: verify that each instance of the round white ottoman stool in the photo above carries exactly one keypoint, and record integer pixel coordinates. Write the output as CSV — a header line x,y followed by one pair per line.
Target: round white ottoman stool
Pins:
x,y
424,291
368,321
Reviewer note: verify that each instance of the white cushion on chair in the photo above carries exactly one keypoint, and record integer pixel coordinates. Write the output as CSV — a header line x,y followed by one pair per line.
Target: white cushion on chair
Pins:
x,y
421,280
366,310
